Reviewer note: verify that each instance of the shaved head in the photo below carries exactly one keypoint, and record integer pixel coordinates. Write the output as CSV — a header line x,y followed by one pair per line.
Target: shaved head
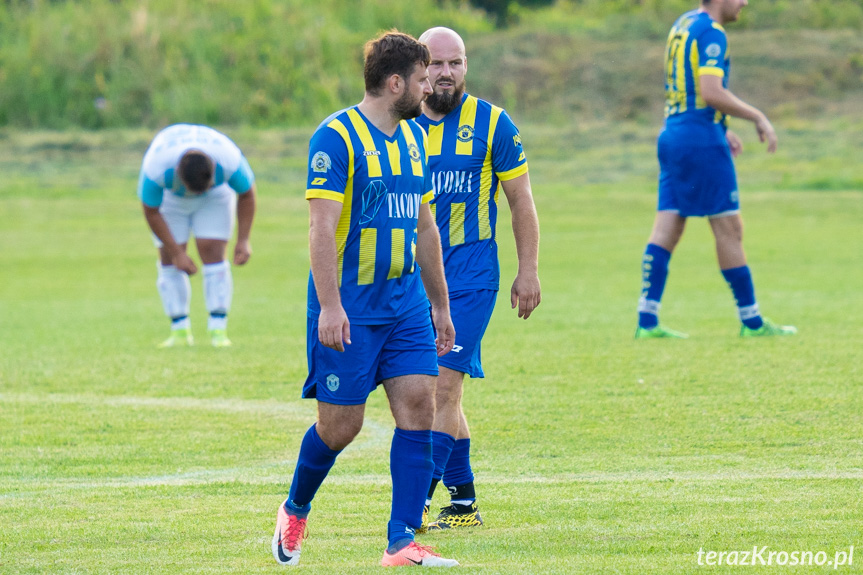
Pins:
x,y
446,71
444,34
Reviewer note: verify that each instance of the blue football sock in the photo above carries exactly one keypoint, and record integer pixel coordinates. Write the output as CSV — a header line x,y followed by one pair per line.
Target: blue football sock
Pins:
x,y
458,471
442,444
740,282
411,468
313,463
654,272
441,448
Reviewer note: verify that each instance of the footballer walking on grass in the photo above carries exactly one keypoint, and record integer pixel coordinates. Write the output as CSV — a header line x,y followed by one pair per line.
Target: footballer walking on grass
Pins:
x,y
474,150
193,180
375,255
697,176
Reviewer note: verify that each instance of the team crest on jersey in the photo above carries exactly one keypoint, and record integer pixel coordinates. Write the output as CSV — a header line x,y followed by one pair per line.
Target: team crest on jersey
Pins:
x,y
321,162
713,50
465,133
414,152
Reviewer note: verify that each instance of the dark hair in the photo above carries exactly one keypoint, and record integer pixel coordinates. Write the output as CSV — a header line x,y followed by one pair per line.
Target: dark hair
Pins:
x,y
391,53
196,170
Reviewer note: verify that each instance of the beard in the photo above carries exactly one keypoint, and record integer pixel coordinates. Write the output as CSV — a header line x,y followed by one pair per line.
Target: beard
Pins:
x,y
407,107
445,102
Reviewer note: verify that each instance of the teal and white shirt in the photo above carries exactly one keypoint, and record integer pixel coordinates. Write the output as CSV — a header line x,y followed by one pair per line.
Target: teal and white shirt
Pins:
x,y
160,162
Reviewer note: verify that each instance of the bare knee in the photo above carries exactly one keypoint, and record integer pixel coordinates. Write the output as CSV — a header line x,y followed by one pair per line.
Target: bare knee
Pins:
x,y
412,401
727,230
212,251
667,230
448,389
418,409
338,425
338,435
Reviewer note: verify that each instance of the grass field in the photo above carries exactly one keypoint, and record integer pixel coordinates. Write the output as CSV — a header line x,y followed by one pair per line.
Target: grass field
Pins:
x,y
594,453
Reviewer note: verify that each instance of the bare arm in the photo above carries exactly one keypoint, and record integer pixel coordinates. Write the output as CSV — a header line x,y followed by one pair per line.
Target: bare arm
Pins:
x,y
525,292
245,215
334,329
431,263
718,97
177,255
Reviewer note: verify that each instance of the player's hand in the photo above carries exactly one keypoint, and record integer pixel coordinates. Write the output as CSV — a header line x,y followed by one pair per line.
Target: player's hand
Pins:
x,y
766,133
445,332
734,142
242,252
334,328
525,293
184,263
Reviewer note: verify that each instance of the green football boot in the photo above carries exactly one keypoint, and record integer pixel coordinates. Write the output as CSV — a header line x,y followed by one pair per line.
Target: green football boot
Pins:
x,y
219,338
179,338
768,328
659,331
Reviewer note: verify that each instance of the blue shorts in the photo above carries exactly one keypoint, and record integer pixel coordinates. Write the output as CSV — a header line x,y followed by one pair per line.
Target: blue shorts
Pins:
x,y
377,352
696,180
471,312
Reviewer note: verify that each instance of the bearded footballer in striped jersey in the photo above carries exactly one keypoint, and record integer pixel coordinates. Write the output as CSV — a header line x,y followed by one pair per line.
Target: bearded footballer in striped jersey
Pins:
x,y
697,177
474,151
378,312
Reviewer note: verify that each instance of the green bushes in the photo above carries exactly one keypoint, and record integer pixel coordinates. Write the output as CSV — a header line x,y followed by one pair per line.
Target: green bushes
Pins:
x,y
103,63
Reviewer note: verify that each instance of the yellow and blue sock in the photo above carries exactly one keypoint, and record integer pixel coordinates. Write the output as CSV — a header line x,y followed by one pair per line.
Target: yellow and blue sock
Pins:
x,y
654,273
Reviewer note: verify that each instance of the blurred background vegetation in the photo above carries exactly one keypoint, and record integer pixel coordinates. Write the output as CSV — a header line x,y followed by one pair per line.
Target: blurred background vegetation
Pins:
x,y
277,63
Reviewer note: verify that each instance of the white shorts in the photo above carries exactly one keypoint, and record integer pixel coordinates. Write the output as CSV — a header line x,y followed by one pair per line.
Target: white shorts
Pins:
x,y
209,216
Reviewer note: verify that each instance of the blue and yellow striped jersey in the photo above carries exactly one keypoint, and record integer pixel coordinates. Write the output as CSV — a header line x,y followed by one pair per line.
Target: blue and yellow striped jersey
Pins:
x,y
471,150
381,182
696,46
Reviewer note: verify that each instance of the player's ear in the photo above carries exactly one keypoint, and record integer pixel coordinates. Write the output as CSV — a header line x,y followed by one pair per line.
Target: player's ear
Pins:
x,y
395,83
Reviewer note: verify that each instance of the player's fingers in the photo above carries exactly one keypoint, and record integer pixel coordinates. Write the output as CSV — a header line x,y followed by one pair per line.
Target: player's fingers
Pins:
x,y
532,303
513,297
336,340
444,345
444,339
329,339
346,332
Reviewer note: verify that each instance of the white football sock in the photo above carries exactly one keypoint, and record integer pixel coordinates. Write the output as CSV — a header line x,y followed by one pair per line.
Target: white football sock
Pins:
x,y
218,292
175,291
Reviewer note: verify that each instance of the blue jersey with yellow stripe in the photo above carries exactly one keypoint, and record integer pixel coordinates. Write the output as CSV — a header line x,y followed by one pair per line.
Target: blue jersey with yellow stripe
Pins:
x,y
471,150
381,181
696,46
